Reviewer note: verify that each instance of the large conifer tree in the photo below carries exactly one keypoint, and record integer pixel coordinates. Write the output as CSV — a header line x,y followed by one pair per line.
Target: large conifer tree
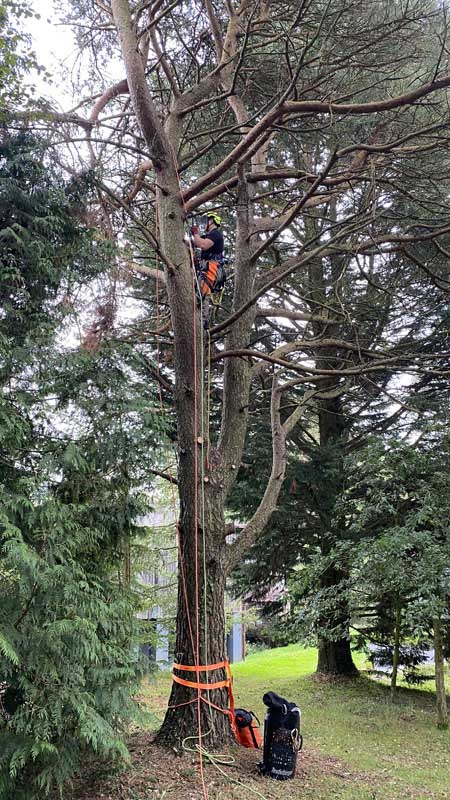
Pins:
x,y
269,110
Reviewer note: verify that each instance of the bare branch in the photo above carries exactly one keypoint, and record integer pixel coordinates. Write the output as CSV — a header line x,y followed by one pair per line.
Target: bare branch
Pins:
x,y
166,477
143,104
114,91
267,506
256,524
158,274
307,107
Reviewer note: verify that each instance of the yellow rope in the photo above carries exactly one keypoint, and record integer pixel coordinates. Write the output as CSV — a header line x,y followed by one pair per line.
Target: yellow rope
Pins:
x,y
217,759
218,301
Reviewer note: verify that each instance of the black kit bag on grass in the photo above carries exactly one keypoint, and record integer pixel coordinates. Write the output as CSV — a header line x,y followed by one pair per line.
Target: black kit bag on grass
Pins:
x,y
282,737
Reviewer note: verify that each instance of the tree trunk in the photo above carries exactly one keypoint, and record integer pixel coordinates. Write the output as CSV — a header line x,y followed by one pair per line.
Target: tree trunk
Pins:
x,y
335,658
441,699
202,554
396,652
208,618
203,505
200,625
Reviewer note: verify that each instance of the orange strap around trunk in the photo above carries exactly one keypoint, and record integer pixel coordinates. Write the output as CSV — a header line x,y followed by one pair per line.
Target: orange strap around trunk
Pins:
x,y
203,686
219,664
226,684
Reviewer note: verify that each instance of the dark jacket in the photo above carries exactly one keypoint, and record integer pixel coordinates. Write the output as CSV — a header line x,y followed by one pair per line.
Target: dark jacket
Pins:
x,y
216,251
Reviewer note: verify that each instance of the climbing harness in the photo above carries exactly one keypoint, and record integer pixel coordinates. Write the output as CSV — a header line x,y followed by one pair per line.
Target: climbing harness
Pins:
x,y
210,286
211,275
282,737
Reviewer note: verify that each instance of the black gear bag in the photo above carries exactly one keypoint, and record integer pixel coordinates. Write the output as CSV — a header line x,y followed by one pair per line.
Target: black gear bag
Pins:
x,y
282,737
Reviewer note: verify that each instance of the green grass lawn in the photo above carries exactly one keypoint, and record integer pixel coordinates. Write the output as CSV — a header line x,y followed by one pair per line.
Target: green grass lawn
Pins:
x,y
377,750
356,721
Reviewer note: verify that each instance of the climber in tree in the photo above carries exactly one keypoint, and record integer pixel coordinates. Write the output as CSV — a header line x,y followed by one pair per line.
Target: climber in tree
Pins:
x,y
209,264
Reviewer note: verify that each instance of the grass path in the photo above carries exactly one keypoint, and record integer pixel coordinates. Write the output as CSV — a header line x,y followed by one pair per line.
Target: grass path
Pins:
x,y
358,745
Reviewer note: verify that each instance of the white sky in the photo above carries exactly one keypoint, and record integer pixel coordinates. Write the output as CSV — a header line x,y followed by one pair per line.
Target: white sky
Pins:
x,y
54,45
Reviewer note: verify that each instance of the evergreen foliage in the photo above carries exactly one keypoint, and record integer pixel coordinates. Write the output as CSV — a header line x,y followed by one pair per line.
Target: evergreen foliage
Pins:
x,y
76,427
394,555
16,56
